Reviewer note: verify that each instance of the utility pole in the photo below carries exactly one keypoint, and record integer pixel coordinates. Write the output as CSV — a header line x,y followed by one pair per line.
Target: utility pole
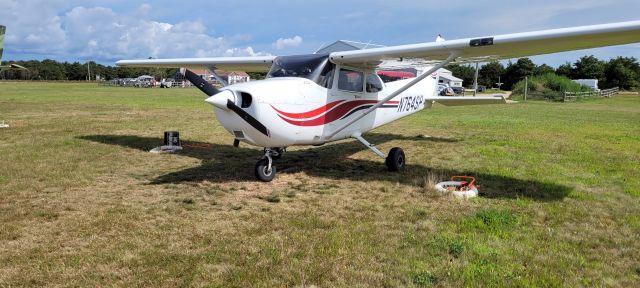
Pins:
x,y
88,71
475,81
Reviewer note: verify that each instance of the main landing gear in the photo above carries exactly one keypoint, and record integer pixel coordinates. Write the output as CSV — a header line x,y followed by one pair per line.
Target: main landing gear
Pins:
x,y
395,160
265,170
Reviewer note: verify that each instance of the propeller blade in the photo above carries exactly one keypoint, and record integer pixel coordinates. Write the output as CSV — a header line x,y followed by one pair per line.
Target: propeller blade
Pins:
x,y
248,118
197,81
217,100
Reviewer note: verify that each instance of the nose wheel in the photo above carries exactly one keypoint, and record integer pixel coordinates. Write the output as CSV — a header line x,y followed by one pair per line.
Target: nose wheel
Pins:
x,y
265,171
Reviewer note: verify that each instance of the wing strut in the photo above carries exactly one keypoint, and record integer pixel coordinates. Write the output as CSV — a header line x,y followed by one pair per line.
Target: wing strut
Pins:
x,y
212,70
450,59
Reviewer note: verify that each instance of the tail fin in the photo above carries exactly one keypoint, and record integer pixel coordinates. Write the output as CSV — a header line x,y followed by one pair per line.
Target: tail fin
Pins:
x,y
2,29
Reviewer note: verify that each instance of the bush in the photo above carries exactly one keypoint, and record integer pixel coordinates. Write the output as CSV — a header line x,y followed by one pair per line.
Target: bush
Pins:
x,y
548,87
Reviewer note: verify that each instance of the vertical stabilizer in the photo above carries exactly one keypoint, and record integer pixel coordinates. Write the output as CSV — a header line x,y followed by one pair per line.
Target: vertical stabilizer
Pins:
x,y
2,29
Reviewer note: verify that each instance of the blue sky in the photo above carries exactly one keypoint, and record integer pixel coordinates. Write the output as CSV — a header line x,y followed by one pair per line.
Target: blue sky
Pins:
x,y
109,30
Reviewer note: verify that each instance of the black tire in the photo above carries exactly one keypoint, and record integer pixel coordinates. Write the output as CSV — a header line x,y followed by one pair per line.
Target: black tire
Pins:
x,y
262,173
395,160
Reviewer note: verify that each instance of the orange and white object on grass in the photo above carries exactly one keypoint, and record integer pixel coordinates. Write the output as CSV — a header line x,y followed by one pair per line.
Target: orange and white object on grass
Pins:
x,y
460,186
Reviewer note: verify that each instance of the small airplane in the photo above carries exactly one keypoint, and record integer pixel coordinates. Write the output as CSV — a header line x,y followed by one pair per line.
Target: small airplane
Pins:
x,y
10,66
316,99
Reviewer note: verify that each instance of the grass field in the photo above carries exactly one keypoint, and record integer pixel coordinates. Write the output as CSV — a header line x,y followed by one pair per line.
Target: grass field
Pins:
x,y
83,204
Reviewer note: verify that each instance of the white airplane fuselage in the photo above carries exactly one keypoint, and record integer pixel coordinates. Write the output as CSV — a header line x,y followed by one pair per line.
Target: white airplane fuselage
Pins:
x,y
297,111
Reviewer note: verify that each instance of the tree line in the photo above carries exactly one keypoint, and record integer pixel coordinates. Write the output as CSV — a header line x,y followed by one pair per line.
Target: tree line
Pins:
x,y
623,72
76,71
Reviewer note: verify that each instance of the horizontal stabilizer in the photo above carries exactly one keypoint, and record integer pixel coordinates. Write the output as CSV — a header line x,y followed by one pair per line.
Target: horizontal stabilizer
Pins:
x,y
462,100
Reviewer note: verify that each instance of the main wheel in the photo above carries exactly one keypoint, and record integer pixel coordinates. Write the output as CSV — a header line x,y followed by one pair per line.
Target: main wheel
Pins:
x,y
395,160
263,173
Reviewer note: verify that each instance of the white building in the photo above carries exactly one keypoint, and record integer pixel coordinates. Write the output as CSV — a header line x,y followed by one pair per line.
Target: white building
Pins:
x,y
446,77
591,83
232,77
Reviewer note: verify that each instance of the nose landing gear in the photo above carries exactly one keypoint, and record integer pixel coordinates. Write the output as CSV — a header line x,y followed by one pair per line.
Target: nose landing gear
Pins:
x,y
265,171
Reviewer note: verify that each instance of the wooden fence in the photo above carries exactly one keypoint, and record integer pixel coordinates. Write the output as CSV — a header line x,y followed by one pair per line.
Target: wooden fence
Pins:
x,y
573,96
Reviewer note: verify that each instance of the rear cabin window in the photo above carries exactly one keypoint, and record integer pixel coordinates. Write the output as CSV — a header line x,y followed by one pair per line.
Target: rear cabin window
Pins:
x,y
350,80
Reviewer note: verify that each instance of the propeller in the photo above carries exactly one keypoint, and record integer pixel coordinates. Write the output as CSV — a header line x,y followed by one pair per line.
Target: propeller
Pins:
x,y
197,81
223,99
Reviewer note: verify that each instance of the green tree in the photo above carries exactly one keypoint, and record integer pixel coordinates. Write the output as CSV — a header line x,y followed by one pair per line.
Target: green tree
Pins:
x,y
50,70
589,67
464,72
543,69
257,75
565,70
515,72
490,74
623,72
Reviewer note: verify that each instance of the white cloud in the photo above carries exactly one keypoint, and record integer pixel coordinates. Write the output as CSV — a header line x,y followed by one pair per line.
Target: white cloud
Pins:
x,y
144,9
99,33
288,42
32,25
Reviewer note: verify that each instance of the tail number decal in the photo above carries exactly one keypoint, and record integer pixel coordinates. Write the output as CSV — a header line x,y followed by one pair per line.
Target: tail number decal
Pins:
x,y
410,103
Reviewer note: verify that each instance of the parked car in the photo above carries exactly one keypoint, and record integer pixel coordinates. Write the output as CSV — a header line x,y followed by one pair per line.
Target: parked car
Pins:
x,y
445,90
167,83
458,90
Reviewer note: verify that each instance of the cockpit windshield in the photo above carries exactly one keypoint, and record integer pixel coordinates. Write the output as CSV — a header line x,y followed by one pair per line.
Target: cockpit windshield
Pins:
x,y
303,66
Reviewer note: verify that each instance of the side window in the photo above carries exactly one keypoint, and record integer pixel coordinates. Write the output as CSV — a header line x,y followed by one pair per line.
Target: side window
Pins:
x,y
373,83
326,77
350,80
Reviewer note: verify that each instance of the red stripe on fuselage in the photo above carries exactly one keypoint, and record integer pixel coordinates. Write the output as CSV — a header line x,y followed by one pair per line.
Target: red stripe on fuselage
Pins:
x,y
309,114
332,115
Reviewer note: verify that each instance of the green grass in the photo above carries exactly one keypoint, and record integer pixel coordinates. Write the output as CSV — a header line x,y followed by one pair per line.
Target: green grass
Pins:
x,y
83,204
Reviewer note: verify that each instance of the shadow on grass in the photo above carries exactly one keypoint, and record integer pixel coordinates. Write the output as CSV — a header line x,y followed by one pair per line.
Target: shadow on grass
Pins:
x,y
225,163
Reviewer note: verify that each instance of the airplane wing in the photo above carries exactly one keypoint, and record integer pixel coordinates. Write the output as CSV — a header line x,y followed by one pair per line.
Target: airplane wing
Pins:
x,y
248,64
488,48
